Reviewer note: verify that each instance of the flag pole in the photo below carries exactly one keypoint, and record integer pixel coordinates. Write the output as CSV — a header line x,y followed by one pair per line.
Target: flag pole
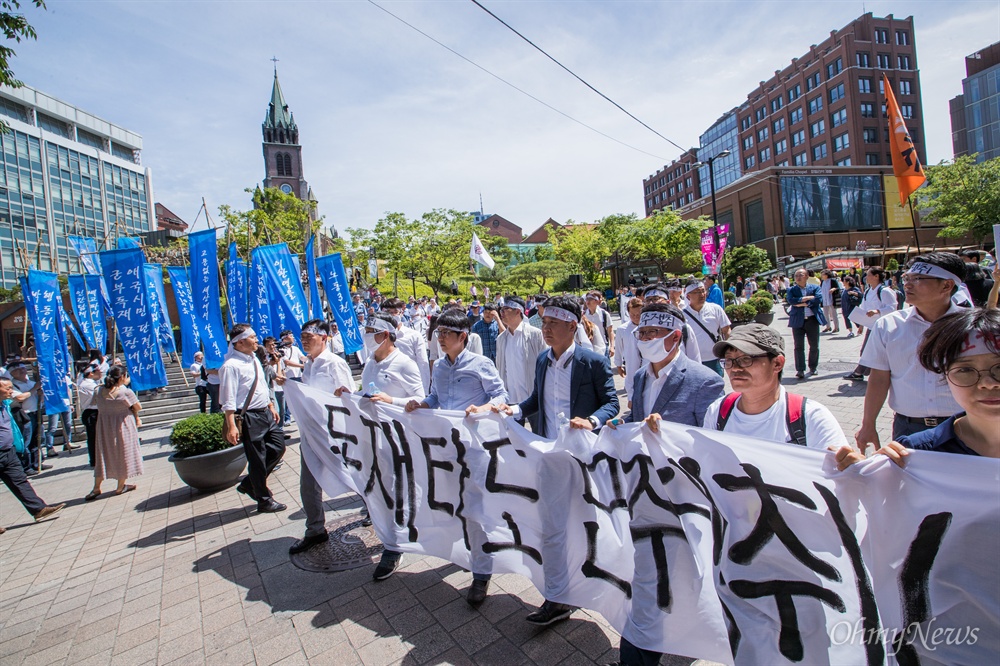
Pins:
x,y
913,221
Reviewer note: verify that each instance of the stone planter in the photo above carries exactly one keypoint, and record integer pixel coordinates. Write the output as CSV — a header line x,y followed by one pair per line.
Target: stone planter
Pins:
x,y
211,471
765,318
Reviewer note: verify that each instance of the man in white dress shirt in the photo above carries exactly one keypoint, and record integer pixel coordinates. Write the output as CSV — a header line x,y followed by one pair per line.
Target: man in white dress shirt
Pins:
x,y
408,341
708,321
261,434
390,377
921,399
326,371
626,359
518,347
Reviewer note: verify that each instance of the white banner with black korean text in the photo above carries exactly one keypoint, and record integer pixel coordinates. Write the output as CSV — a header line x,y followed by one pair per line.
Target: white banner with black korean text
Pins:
x,y
689,542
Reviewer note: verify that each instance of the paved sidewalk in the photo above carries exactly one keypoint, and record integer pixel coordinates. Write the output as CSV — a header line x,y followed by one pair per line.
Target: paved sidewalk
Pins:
x,y
163,575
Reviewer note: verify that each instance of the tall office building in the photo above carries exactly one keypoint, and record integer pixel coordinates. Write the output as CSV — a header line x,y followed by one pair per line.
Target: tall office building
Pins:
x,y
64,171
975,114
826,108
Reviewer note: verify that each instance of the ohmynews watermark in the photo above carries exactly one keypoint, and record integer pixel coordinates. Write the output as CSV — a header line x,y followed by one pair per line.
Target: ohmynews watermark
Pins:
x,y
924,634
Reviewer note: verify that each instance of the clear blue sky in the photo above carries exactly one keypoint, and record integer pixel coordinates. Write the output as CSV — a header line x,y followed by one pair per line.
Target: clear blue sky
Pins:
x,y
390,121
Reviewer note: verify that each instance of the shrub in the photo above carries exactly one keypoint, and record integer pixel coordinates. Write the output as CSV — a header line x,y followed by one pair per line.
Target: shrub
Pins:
x,y
741,314
198,434
764,293
892,265
728,297
761,304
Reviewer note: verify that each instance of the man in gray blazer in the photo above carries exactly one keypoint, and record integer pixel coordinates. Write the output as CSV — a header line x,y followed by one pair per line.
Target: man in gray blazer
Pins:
x,y
669,385
518,347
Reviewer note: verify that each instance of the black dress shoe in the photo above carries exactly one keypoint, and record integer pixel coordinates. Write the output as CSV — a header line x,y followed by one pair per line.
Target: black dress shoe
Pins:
x,y
247,490
477,592
307,542
549,613
270,506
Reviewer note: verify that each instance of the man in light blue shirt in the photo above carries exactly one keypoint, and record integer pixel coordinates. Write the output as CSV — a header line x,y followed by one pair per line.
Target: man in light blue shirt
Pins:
x,y
462,380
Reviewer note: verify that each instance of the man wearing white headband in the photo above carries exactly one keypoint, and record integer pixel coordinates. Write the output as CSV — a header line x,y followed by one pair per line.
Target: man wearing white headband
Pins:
x,y
518,348
626,360
601,319
243,389
572,386
920,399
326,371
659,293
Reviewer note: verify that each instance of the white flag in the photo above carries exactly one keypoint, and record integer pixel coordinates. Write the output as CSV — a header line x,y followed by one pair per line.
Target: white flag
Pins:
x,y
479,254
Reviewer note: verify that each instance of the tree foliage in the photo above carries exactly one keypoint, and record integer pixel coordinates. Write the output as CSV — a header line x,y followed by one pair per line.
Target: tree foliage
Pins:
x,y
964,196
276,217
580,247
540,273
15,27
661,238
744,261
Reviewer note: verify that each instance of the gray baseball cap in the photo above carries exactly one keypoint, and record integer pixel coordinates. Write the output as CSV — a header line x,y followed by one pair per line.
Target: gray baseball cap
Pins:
x,y
752,339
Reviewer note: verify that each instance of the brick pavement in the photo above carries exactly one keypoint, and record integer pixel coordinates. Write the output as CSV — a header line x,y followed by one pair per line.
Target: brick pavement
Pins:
x,y
166,576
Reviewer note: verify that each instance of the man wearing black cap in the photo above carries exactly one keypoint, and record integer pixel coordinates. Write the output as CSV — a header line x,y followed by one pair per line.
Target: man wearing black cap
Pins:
x,y
754,357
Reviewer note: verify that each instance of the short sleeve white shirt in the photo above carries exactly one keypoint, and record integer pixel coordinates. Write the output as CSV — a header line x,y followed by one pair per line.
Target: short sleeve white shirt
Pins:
x,y
714,319
822,429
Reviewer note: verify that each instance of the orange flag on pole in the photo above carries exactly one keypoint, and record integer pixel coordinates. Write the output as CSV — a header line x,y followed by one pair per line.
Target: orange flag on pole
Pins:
x,y
906,165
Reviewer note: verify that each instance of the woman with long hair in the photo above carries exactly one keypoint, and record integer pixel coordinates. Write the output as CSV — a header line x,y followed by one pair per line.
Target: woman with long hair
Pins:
x,y
117,454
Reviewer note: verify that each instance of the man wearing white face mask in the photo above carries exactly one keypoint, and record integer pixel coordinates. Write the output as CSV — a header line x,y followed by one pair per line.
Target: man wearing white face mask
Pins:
x,y
670,386
408,341
392,378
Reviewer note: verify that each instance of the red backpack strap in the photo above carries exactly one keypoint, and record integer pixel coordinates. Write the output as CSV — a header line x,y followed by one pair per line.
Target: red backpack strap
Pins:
x,y
795,418
726,409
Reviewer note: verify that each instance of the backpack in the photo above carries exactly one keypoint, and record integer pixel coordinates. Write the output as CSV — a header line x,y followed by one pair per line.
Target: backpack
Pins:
x,y
899,295
794,415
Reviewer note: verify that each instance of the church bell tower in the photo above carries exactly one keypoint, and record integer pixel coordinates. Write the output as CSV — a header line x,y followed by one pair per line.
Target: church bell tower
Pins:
x,y
282,152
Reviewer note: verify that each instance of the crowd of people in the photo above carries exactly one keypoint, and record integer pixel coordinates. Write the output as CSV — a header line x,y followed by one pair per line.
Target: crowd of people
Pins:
x,y
549,361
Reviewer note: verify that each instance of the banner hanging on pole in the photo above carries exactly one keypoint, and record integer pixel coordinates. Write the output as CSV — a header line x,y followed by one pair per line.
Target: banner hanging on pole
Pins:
x,y
285,286
89,309
261,313
123,273
190,338
236,286
314,300
158,307
205,292
338,295
125,242
43,306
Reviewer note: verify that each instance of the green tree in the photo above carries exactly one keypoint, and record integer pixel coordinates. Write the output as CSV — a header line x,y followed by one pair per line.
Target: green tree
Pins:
x,y
540,273
276,217
661,238
441,250
580,247
964,196
744,261
15,27
392,240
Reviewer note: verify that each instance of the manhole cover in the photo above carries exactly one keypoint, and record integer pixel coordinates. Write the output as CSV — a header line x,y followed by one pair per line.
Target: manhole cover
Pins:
x,y
351,545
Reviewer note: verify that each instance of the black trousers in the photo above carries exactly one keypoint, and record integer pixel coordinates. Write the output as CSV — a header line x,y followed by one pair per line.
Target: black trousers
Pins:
x,y
630,655
202,392
264,444
89,419
213,393
12,474
809,331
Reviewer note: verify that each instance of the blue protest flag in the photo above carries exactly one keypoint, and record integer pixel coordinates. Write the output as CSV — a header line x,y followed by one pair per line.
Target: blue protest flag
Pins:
x,y
205,292
236,287
126,242
43,305
68,323
158,305
261,313
314,299
86,252
233,254
123,273
88,307
281,272
338,295
190,339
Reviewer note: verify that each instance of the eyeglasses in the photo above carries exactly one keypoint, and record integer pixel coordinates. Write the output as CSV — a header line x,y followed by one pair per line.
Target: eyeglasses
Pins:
x,y
651,333
912,279
966,376
739,361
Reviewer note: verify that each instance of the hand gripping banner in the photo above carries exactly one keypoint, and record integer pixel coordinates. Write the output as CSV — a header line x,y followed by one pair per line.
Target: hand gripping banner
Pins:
x,y
124,273
205,292
338,295
689,541
190,339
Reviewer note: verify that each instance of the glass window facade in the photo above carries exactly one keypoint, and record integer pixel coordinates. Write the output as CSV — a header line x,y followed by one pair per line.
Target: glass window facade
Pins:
x,y
23,219
77,208
982,113
125,193
723,135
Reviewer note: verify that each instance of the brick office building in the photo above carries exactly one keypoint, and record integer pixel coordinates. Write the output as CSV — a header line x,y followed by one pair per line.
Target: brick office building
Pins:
x,y
824,109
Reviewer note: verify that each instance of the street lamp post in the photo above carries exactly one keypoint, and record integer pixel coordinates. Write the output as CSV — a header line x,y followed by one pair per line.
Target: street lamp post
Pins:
x,y
711,183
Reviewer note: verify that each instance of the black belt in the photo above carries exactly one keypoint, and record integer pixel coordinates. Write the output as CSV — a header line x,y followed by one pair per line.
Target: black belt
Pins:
x,y
262,410
929,421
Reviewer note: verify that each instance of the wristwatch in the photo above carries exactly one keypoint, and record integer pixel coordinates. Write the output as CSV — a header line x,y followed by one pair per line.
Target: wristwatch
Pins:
x,y
594,422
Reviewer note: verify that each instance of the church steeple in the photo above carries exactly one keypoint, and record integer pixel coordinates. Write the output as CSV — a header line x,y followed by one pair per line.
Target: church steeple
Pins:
x,y
279,123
